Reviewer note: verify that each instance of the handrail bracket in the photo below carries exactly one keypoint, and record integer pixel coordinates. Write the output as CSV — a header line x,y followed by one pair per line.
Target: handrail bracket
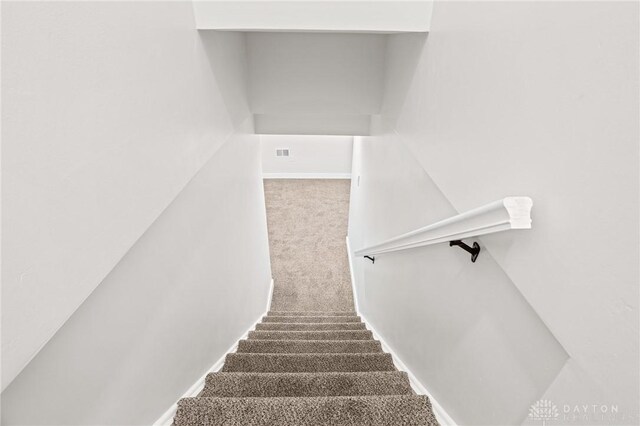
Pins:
x,y
371,258
475,250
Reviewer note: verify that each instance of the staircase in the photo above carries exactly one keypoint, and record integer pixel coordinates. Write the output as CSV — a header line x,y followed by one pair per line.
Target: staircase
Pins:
x,y
307,369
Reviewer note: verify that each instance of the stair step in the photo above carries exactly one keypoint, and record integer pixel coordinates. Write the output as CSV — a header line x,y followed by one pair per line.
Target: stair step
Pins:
x,y
309,346
404,410
312,313
224,385
311,319
312,335
307,363
310,326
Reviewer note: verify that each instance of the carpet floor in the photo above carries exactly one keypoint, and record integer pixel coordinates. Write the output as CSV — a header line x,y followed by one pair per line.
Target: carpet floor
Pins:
x,y
311,361
307,221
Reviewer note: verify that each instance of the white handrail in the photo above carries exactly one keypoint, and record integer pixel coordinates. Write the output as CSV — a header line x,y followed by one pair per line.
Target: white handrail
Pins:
x,y
501,215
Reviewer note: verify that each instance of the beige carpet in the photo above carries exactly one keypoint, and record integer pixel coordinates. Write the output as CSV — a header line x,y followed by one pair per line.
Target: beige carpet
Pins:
x,y
311,361
307,221
307,378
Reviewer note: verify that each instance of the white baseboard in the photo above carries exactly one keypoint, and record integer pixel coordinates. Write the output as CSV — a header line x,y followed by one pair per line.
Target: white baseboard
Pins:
x,y
441,415
167,418
270,297
306,175
353,278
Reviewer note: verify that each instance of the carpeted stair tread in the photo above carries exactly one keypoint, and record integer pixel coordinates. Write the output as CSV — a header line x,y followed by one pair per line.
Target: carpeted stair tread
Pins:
x,y
303,319
312,335
312,313
404,410
303,363
311,361
223,385
310,326
309,346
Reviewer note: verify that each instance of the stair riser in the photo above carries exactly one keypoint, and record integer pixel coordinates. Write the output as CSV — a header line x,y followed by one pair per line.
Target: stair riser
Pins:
x,y
265,326
309,346
310,319
311,335
310,314
227,385
281,363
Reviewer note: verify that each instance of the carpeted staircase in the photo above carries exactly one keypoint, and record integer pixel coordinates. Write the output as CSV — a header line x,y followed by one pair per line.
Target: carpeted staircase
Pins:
x,y
307,369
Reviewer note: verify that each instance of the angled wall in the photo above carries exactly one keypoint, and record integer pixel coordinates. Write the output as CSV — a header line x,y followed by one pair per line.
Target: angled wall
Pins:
x,y
194,282
126,159
524,98
462,328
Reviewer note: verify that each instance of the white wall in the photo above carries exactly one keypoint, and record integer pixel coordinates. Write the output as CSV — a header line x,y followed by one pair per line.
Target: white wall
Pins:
x,y
308,155
462,328
537,99
109,109
226,52
191,285
379,16
293,76
313,124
